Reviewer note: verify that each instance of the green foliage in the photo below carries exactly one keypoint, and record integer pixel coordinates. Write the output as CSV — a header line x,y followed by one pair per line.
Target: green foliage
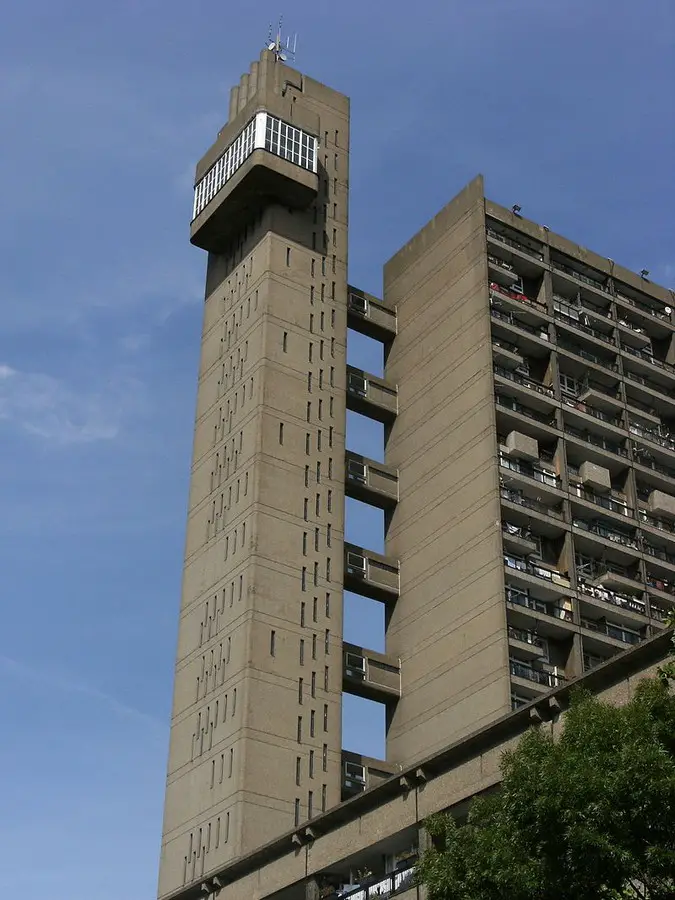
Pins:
x,y
591,815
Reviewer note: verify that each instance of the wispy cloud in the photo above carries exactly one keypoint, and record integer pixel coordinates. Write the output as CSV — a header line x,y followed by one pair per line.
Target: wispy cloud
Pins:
x,y
50,409
68,684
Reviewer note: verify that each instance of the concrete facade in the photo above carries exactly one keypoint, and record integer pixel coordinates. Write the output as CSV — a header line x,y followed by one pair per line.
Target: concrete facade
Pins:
x,y
527,481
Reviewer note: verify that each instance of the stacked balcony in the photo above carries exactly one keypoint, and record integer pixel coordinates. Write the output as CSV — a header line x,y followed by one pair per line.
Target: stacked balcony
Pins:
x,y
583,373
371,675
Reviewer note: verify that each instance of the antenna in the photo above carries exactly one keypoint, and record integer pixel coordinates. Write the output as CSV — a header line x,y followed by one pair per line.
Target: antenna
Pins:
x,y
282,49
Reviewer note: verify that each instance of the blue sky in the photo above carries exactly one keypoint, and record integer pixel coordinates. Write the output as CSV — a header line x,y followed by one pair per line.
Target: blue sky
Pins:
x,y
567,109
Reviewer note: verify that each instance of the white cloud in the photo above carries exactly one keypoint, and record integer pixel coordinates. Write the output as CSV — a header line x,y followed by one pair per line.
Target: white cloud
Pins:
x,y
50,409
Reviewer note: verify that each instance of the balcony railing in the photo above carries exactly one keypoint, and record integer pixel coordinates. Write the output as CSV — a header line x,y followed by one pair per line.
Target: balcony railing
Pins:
x,y
593,282
659,612
521,598
512,243
658,553
517,497
582,326
659,584
596,440
527,637
599,414
510,319
523,468
614,598
617,506
646,356
603,531
663,440
645,307
586,354
548,679
516,295
511,403
591,661
656,522
613,631
642,460
524,380
382,888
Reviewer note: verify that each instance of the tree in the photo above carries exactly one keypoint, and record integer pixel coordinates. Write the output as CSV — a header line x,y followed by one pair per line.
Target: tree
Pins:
x,y
590,815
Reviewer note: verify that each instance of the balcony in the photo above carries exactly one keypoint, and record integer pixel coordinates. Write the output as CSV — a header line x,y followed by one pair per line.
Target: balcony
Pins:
x,y
581,326
658,553
370,481
371,396
512,298
608,629
536,337
609,575
598,441
647,309
660,395
535,251
611,504
652,435
601,396
627,609
665,589
548,579
573,347
370,574
663,525
647,361
520,472
661,504
368,674
370,316
528,386
519,538
552,619
518,498
596,533
506,404
508,353
527,644
530,680
399,884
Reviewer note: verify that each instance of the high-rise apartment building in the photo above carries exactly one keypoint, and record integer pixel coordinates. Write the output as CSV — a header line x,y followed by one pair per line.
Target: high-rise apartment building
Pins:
x,y
528,480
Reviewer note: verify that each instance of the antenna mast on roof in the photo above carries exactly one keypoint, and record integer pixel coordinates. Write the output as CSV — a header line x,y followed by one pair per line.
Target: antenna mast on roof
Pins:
x,y
282,49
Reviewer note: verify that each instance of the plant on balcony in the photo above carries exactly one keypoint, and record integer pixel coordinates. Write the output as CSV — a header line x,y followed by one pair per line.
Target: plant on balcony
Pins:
x,y
589,815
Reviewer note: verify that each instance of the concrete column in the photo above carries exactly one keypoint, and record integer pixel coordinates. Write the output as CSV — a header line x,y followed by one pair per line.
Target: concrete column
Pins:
x,y
234,102
253,81
243,92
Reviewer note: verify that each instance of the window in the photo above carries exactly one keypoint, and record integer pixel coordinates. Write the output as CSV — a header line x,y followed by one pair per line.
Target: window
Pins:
x,y
316,539
330,436
327,642
303,578
311,295
325,678
323,265
325,717
311,764
324,758
312,267
330,408
302,652
281,432
309,382
310,800
328,537
328,605
332,376
328,569
313,646
302,614
317,504
300,688
329,501
304,545
299,729
316,573
323,320
311,350
234,701
298,764
288,256
313,685
284,342
311,322
320,349
315,603
306,476
273,640
320,408
230,764
305,510
323,798
296,817
307,444
318,468
309,410
312,720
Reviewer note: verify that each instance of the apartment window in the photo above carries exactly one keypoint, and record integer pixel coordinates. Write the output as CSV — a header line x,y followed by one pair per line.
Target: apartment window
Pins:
x,y
281,432
316,539
288,256
298,765
296,817
321,349
313,685
325,678
299,729
234,701
320,408
332,346
328,605
328,569
325,717
323,265
315,603
303,578
324,758
273,641
320,378
312,266
309,410
310,801
302,614
328,537
316,573
322,319
311,351
332,289
332,376
311,322
304,545
230,765
300,688
317,504
305,509
311,295
318,439
307,444
330,436
309,382
334,257
329,501
284,342
313,646
312,721
306,476
323,798
318,468
330,408
327,641
311,764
